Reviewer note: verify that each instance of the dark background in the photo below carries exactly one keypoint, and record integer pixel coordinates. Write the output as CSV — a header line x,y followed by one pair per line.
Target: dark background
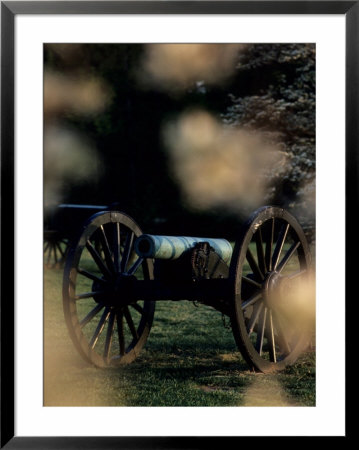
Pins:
x,y
272,89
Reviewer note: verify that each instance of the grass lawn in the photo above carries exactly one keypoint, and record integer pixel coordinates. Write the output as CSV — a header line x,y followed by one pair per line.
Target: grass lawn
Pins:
x,y
190,359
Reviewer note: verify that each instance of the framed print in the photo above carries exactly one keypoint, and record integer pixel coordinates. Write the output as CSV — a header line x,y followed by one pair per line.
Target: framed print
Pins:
x,y
185,119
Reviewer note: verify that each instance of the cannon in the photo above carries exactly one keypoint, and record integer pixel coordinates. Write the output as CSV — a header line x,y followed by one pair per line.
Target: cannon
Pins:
x,y
114,275
60,227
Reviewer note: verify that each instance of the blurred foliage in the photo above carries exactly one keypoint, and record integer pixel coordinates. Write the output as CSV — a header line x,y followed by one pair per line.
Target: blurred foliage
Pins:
x,y
272,89
281,102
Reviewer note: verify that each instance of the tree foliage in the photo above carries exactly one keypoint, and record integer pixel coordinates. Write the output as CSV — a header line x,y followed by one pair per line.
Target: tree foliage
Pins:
x,y
280,101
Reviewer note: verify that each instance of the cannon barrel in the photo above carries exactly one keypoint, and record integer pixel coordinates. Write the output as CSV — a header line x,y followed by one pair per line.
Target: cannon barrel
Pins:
x,y
172,247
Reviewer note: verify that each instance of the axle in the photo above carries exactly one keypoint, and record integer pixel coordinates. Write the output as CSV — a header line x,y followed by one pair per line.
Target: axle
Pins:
x,y
125,290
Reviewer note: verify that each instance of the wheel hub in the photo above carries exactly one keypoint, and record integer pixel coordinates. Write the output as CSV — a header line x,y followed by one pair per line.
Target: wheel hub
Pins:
x,y
275,287
115,292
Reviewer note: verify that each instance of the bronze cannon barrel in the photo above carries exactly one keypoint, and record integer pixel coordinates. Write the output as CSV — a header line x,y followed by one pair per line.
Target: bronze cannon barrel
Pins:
x,y
172,247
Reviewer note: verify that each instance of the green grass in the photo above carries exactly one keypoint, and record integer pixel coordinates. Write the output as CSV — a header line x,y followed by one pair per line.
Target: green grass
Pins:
x,y
190,359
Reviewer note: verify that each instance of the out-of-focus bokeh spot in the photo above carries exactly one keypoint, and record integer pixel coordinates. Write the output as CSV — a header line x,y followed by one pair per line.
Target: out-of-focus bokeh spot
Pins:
x,y
298,306
218,165
71,55
177,66
79,94
69,159
267,391
304,206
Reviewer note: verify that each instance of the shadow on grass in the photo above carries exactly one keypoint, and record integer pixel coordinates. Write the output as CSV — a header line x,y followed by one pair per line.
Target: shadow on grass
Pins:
x,y
173,380
189,362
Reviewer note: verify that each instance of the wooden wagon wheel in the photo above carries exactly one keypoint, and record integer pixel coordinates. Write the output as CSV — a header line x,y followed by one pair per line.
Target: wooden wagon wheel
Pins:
x,y
269,262
55,249
106,335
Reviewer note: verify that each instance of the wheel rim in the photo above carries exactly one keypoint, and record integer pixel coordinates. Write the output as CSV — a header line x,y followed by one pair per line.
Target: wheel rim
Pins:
x,y
106,335
269,263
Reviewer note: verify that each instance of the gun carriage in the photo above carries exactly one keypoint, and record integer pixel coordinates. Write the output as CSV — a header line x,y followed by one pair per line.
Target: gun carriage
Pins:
x,y
115,274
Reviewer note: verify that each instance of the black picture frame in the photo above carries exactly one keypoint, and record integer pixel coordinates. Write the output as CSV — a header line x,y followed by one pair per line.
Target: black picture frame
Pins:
x,y
9,10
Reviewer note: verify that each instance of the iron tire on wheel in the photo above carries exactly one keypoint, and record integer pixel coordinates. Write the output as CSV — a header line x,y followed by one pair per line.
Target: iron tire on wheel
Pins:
x,y
271,255
106,334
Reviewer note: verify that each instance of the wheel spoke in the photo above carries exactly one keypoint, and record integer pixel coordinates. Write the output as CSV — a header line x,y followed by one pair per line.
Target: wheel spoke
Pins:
x,y
106,250
55,254
254,318
87,295
99,328
135,266
297,274
287,256
121,337
282,338
251,301
260,333
116,246
49,256
260,252
90,315
90,275
130,323
46,246
127,250
272,353
279,245
252,282
253,265
137,307
269,245
60,250
109,334
98,260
